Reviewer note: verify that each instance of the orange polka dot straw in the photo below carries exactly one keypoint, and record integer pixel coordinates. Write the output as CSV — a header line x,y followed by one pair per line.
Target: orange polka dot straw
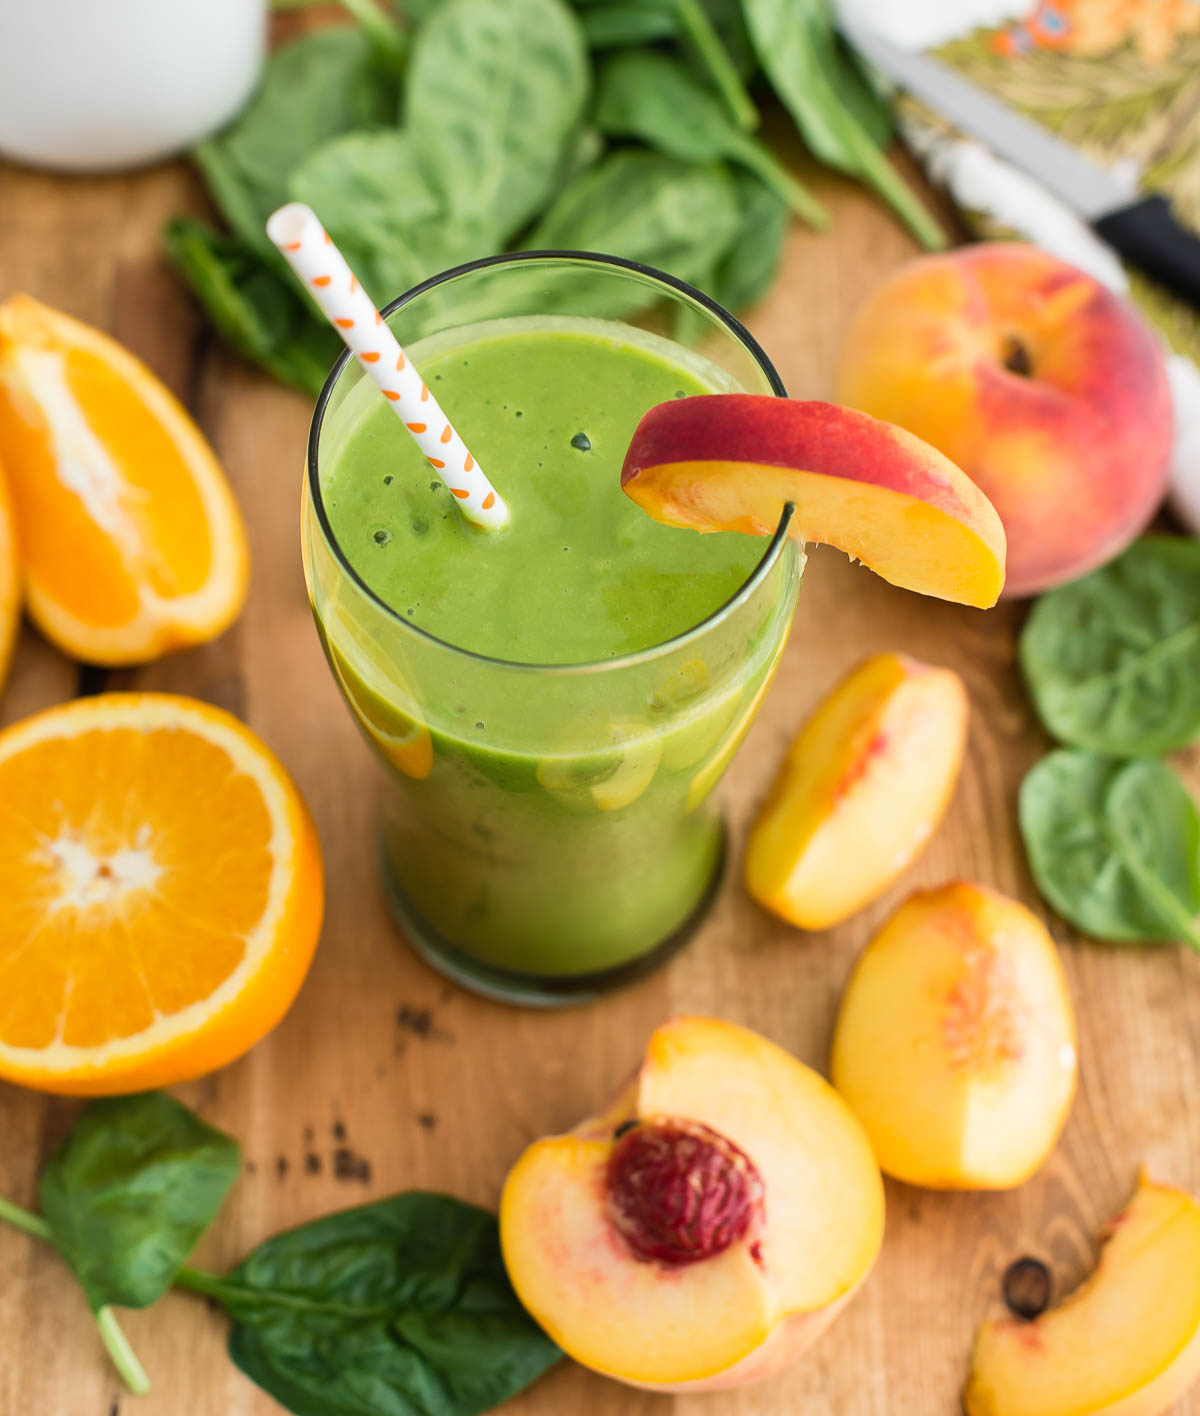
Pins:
x,y
323,271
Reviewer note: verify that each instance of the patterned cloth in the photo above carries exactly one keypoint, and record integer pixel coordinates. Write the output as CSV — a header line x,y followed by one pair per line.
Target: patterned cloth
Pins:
x,y
1120,79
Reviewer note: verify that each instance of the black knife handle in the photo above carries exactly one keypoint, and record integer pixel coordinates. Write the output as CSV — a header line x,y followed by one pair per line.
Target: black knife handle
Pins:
x,y
1149,236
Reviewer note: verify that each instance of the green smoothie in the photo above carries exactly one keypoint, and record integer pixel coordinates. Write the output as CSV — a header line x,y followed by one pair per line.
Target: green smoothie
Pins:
x,y
581,573
545,822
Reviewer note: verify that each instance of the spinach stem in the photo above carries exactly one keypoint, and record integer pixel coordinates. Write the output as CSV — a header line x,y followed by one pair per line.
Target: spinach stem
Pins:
x,y
874,167
699,29
124,1358
198,1281
25,1220
387,38
784,185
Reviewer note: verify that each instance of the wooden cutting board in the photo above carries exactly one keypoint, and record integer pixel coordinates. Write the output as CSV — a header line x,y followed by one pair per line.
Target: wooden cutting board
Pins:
x,y
383,1077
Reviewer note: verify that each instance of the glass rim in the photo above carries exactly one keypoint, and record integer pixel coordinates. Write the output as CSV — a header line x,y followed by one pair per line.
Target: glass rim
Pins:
x,y
638,656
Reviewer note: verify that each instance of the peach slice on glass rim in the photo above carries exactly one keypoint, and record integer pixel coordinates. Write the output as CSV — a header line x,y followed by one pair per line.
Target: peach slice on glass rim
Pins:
x,y
731,462
704,1228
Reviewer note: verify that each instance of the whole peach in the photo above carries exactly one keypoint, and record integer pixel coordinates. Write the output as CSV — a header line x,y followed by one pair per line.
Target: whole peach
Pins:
x,y
1049,391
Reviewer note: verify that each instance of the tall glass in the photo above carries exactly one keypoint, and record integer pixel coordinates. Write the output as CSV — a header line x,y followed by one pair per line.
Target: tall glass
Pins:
x,y
547,829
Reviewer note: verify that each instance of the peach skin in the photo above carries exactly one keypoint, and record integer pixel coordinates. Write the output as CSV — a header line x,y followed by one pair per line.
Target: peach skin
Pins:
x,y
731,462
955,1041
861,790
1125,1343
1046,389
706,1227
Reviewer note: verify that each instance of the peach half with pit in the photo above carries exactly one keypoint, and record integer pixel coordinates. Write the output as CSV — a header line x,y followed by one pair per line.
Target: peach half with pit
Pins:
x,y
732,462
1048,390
706,1227
955,1041
860,792
1125,1343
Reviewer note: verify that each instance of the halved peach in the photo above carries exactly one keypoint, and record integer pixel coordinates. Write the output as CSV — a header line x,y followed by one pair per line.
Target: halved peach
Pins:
x,y
955,1042
1125,1343
706,1227
731,462
861,790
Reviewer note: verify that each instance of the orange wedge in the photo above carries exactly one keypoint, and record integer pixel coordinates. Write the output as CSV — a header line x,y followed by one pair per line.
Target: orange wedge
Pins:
x,y
131,541
161,892
10,582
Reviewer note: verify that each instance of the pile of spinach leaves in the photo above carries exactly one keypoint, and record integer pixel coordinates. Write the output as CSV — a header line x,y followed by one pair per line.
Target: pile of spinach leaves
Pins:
x,y
1112,662
462,128
397,1308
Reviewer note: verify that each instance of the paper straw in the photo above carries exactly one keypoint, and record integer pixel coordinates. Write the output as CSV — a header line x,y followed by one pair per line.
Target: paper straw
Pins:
x,y
308,249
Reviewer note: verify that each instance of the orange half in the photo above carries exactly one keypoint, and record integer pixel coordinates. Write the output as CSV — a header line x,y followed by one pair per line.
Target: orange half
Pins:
x,y
131,541
161,893
10,582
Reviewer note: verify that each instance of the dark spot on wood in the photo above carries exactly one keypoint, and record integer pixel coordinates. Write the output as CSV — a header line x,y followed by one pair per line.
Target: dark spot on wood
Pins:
x,y
114,1409
1028,1288
339,1130
427,1120
348,1165
91,680
312,1163
309,1135
281,1165
251,1168
418,1021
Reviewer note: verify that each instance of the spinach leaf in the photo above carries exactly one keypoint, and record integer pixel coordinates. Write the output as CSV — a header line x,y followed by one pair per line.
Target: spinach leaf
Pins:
x,y
646,207
496,93
651,96
711,32
745,272
1112,661
729,25
1114,846
399,1308
800,54
264,316
325,83
376,205
130,1191
612,25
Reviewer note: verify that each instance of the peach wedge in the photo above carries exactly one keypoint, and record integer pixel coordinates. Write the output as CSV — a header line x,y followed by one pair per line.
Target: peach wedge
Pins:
x,y
861,790
1126,1343
705,1228
955,1042
731,462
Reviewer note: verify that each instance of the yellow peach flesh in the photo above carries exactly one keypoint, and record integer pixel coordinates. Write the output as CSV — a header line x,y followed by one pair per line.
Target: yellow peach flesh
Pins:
x,y
904,540
1126,1343
741,1314
823,1190
955,1042
637,1320
862,789
732,462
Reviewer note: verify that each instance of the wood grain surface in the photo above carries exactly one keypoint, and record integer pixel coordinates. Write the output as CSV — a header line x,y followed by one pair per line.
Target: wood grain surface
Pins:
x,y
384,1077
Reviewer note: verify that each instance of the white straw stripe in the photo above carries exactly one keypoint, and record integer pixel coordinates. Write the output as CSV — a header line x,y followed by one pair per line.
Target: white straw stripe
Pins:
x,y
322,269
